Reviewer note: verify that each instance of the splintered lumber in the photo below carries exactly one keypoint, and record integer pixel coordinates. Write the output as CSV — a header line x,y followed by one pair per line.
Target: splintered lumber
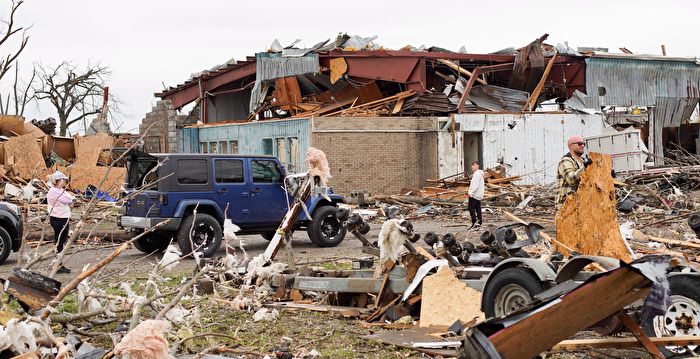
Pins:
x,y
446,299
398,96
621,343
587,222
532,100
547,325
461,70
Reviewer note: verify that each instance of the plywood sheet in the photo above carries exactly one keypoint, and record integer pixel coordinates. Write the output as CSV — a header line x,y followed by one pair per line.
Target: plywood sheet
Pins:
x,y
287,92
15,126
446,299
23,154
587,222
88,148
338,68
81,176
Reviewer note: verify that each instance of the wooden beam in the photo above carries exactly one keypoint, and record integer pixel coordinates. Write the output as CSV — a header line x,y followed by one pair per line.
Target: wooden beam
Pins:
x,y
622,343
461,70
532,100
542,329
641,337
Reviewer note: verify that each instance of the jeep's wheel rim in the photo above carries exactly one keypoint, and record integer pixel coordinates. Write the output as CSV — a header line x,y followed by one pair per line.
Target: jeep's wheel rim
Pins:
x,y
2,246
202,236
511,298
681,319
330,226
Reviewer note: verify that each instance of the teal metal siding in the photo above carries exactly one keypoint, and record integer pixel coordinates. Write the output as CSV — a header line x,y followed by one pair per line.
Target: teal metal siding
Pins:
x,y
250,137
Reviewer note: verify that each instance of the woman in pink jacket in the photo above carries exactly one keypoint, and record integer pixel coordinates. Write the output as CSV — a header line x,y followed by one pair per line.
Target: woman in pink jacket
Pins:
x,y
59,201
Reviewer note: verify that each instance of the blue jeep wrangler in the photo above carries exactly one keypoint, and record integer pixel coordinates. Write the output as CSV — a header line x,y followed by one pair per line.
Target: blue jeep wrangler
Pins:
x,y
250,188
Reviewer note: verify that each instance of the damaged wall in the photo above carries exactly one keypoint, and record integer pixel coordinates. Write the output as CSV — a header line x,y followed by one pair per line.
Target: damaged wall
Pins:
x,y
162,137
528,144
378,154
284,139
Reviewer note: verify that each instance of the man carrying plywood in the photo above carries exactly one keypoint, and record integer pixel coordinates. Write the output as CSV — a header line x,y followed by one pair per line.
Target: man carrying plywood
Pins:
x,y
586,209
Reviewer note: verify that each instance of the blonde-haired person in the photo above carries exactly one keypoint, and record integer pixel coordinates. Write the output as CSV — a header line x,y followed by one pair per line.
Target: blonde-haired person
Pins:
x,y
59,201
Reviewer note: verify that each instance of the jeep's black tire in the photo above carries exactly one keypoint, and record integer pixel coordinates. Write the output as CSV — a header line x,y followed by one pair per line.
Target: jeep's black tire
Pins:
x,y
202,226
325,230
5,245
509,290
268,235
685,298
155,242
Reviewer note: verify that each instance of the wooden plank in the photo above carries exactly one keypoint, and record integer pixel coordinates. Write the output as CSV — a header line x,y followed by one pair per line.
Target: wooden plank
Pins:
x,y
398,105
397,96
461,70
532,100
641,337
642,237
622,343
504,179
547,327
315,307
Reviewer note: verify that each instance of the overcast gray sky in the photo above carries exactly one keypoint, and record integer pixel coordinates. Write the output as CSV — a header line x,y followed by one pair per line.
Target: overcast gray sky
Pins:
x,y
150,42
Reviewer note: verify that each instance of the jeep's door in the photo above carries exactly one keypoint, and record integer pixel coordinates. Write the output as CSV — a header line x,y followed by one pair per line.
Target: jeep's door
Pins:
x,y
268,199
232,190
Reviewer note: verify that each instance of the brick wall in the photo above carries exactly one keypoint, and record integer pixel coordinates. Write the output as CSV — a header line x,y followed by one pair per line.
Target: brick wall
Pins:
x,y
162,120
379,162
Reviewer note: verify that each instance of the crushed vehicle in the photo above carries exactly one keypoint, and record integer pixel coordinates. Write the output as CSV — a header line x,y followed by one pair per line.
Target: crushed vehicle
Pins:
x,y
192,195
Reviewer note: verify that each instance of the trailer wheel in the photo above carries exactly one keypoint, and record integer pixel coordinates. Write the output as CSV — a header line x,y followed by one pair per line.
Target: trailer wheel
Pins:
x,y
682,317
510,290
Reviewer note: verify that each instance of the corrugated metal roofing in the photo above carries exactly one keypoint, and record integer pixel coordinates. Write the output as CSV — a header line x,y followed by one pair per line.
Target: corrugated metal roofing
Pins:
x,y
634,82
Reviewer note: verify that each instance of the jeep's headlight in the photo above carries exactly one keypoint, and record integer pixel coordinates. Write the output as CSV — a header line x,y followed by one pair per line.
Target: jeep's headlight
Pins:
x,y
15,208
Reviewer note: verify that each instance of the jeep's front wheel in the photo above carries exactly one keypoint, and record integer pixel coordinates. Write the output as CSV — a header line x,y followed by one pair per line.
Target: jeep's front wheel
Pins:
x,y
205,231
325,230
155,242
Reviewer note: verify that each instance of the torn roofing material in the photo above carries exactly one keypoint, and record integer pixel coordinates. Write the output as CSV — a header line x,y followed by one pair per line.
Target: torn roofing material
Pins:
x,y
496,98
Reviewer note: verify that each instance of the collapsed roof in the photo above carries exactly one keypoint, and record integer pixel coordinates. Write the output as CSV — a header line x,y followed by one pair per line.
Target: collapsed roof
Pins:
x,y
353,75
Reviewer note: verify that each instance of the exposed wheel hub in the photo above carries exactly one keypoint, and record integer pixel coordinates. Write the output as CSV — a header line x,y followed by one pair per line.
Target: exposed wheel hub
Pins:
x,y
681,319
511,298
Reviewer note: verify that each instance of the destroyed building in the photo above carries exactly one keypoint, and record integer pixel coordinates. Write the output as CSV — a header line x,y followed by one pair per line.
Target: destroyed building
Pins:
x,y
391,120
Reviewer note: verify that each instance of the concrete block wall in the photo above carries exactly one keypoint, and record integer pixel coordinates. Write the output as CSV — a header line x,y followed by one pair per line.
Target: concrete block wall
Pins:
x,y
162,120
379,155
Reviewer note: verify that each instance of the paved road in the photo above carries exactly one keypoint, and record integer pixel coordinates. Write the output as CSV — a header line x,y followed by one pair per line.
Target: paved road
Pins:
x,y
134,263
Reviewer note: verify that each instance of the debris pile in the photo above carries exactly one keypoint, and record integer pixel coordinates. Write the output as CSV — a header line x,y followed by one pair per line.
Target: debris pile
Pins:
x,y
28,154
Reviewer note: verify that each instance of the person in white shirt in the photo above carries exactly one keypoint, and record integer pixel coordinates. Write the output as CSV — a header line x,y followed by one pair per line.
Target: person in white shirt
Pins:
x,y
476,194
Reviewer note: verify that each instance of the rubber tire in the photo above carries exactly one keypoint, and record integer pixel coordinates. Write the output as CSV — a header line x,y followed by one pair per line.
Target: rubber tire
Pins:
x,y
183,234
268,235
153,242
680,285
7,245
314,229
516,275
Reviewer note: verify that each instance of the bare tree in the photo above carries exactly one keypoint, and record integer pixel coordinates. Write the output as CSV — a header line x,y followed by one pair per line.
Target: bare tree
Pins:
x,y
74,93
8,32
18,96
